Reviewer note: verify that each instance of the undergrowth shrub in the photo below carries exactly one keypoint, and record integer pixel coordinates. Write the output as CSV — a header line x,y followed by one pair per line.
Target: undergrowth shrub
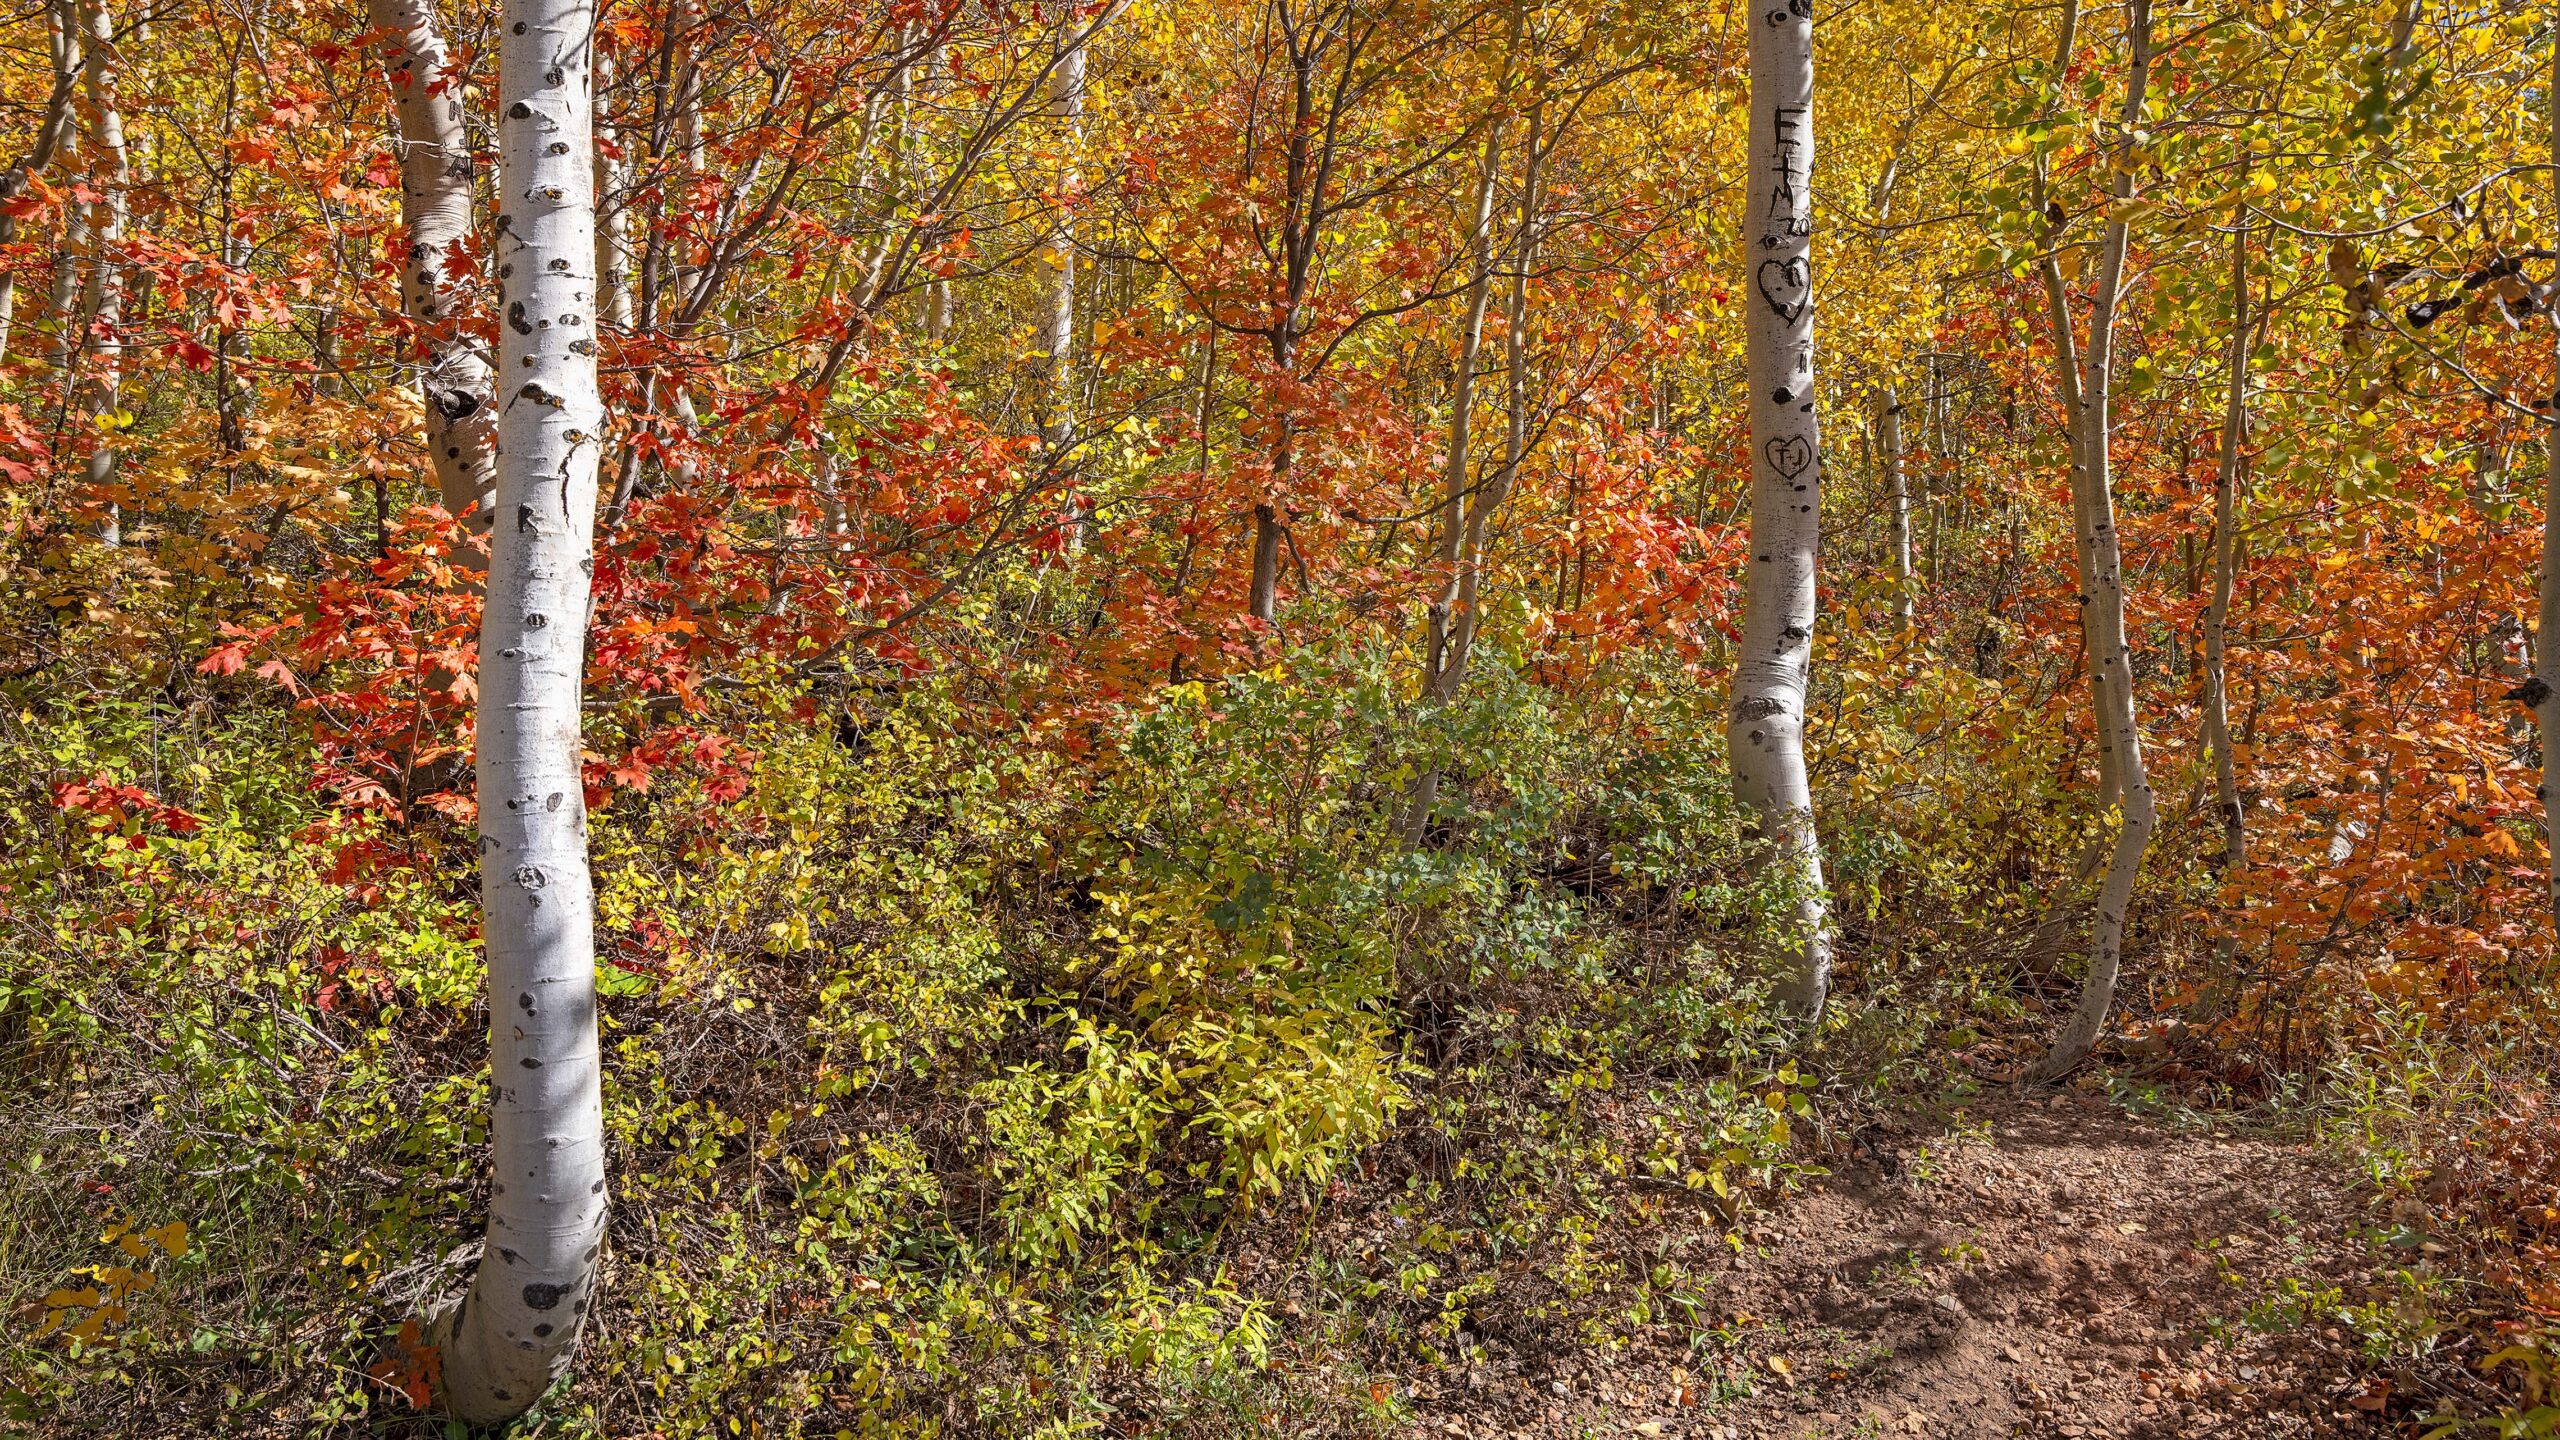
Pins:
x,y
946,1076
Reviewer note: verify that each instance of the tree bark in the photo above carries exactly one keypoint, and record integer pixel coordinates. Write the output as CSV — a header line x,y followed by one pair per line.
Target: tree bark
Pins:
x,y
454,378
2102,590
613,205
102,305
1058,325
517,1330
1897,497
1765,731
51,132
62,348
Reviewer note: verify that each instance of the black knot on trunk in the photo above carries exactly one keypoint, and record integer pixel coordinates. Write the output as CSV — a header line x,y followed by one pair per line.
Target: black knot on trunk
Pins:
x,y
2531,693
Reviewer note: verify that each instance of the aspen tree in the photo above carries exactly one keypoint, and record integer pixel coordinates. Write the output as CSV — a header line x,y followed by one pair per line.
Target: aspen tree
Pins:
x,y
62,347
435,209
51,133
1058,324
613,203
517,1330
102,303
1765,730
2088,392
1897,497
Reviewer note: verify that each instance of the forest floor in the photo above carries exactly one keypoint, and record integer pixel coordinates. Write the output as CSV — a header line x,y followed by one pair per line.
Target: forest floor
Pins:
x,y
2042,1266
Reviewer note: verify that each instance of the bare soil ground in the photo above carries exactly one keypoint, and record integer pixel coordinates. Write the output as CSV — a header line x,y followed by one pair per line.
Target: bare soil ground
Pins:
x,y
2050,1267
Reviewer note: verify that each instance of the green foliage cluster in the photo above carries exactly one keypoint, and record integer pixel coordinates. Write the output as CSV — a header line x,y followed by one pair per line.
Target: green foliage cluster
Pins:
x,y
951,1081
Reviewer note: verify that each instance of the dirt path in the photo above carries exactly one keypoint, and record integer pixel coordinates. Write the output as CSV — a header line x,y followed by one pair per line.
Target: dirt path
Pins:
x,y
2046,1268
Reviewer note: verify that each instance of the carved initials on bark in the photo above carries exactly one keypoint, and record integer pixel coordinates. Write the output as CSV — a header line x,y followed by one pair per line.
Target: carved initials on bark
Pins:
x,y
1786,286
1789,455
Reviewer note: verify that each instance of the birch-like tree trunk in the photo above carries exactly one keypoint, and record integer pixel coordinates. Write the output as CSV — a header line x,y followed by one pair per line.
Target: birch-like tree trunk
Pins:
x,y
1765,732
454,379
2102,588
1897,490
937,311
517,1330
2226,552
1058,325
62,22
613,205
102,304
62,348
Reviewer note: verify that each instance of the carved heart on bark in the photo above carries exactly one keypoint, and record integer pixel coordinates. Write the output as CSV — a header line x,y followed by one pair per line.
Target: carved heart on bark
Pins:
x,y
1789,455
1787,285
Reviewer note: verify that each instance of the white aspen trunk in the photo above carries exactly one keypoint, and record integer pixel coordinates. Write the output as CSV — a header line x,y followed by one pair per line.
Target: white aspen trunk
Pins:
x,y
454,379
103,304
2066,360
2226,551
517,1330
1058,326
1765,732
51,133
937,311
613,207
62,349
2102,586
1897,497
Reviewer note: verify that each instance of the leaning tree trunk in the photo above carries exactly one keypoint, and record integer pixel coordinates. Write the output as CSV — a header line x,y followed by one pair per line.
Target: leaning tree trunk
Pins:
x,y
435,207
2102,592
103,304
1765,732
517,1330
